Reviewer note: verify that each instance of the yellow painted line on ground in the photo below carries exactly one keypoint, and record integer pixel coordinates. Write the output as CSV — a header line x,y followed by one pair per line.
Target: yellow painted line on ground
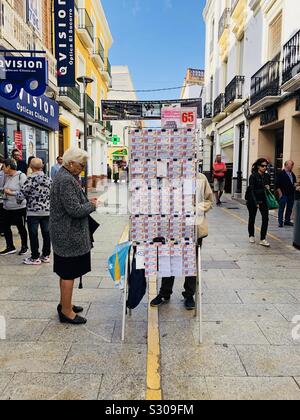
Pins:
x,y
154,392
244,221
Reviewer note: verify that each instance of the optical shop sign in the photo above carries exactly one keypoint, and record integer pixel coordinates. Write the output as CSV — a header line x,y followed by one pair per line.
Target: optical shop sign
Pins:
x,y
41,110
29,73
64,23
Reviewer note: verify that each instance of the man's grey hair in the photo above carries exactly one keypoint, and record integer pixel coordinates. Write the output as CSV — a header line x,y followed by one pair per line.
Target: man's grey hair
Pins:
x,y
74,154
289,161
36,163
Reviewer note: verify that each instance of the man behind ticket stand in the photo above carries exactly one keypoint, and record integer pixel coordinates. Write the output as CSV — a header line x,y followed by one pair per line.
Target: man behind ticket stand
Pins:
x,y
220,170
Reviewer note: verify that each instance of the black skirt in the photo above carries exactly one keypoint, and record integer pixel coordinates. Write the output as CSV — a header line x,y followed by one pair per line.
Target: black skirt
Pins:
x,y
73,267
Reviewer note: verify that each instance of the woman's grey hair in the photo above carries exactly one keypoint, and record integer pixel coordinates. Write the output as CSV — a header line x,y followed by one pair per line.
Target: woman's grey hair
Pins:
x,y
74,154
11,163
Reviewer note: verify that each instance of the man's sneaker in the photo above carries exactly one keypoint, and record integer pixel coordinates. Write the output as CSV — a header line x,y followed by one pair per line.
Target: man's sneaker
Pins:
x,y
45,260
23,251
8,251
280,225
159,300
252,240
265,243
289,224
31,261
189,304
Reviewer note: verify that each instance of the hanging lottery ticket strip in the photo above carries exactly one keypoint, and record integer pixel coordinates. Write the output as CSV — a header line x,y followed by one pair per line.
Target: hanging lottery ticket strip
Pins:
x,y
163,169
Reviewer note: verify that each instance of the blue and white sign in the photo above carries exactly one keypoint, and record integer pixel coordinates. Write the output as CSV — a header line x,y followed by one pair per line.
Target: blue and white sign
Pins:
x,y
64,24
41,110
29,73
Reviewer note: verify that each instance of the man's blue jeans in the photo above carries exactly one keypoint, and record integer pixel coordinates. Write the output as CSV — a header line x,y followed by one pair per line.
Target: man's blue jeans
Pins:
x,y
286,204
33,229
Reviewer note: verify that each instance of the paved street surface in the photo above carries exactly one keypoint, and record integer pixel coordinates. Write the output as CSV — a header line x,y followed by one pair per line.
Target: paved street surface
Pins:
x,y
251,295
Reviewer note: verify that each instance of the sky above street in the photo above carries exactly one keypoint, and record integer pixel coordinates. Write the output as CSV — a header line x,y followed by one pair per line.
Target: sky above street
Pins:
x,y
158,40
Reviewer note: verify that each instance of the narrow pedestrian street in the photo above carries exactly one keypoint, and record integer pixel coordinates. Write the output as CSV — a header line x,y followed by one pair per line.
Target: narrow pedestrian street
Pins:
x,y
251,295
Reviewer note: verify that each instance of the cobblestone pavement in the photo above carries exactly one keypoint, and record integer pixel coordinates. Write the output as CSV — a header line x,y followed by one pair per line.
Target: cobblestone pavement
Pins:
x,y
251,295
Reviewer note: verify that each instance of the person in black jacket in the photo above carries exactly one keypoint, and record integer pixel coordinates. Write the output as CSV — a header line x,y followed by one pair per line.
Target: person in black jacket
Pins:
x,y
286,186
21,164
256,199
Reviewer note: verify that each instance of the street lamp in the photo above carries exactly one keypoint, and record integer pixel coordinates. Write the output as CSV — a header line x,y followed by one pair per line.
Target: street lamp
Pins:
x,y
85,81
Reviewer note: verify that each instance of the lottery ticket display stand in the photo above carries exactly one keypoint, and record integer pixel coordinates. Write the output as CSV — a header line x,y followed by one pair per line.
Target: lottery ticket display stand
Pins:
x,y
163,197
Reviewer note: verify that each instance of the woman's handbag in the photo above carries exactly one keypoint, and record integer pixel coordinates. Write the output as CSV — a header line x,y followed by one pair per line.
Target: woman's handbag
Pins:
x,y
272,203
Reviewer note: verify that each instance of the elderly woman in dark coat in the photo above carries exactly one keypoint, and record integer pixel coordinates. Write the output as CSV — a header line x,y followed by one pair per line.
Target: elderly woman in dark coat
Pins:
x,y
69,230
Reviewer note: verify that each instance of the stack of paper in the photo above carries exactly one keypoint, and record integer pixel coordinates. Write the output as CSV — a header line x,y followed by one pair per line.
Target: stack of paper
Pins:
x,y
176,228
153,199
151,228
162,168
164,227
164,260
176,200
165,199
189,265
138,229
151,260
189,228
163,147
177,260
175,169
150,170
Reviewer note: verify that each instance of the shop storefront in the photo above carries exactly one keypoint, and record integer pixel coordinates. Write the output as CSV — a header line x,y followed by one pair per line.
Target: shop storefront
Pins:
x,y
227,152
29,124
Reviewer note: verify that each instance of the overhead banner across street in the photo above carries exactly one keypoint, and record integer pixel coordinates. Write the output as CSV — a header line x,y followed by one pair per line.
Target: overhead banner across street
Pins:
x,y
144,110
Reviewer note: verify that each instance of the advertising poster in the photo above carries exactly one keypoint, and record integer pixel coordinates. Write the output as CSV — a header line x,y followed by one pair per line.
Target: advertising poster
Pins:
x,y
30,142
171,117
64,27
188,118
18,141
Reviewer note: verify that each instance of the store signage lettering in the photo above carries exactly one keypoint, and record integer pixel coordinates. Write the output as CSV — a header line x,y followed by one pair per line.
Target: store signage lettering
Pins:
x,y
64,22
28,73
41,110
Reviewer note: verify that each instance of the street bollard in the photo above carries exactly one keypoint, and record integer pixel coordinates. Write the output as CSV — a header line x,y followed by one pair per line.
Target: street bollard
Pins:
x,y
297,221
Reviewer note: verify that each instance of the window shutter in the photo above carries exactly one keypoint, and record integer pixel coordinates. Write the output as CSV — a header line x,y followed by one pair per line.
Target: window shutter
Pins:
x,y
275,36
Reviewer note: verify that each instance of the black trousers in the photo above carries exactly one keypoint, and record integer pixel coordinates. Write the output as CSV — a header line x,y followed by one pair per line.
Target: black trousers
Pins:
x,y
1,218
265,220
16,218
190,284
33,228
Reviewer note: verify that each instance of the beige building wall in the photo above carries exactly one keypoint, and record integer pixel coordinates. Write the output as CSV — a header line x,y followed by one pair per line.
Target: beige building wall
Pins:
x,y
262,138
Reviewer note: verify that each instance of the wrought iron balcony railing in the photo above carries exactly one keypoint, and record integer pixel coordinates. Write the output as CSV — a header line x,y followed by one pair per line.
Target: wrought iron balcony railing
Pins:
x,y
208,110
224,22
266,81
291,58
219,104
235,90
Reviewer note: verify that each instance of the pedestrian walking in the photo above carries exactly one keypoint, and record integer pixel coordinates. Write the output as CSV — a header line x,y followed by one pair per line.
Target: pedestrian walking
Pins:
x,y
55,168
205,204
220,170
14,211
256,198
21,164
2,180
36,191
286,187
109,172
69,231
116,171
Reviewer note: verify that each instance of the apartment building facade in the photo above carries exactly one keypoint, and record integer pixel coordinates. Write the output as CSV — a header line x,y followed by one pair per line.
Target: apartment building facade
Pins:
x,y
93,41
26,123
252,72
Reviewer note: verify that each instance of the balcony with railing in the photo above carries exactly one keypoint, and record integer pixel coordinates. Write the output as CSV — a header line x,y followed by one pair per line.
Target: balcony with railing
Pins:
x,y
106,71
219,108
85,28
90,108
234,94
224,32
16,34
207,114
70,97
265,85
239,17
291,64
98,53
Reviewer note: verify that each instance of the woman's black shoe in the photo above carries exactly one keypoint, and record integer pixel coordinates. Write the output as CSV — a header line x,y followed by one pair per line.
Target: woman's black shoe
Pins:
x,y
76,309
78,320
